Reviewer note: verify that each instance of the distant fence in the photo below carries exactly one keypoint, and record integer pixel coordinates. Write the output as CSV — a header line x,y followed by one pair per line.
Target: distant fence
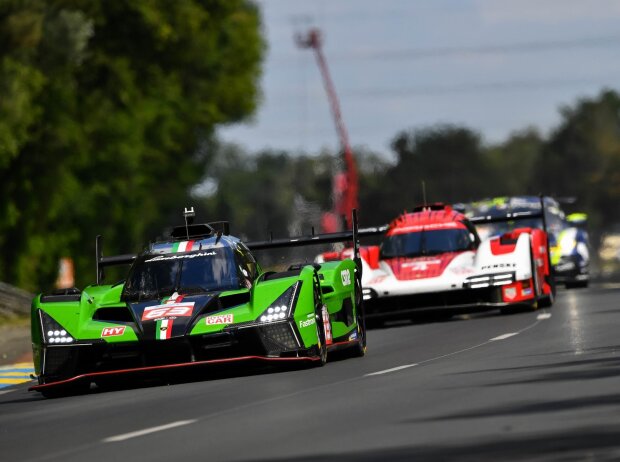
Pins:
x,y
14,301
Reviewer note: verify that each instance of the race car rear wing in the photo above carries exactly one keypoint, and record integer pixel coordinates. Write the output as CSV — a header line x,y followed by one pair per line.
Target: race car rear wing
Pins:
x,y
101,262
512,216
352,235
509,216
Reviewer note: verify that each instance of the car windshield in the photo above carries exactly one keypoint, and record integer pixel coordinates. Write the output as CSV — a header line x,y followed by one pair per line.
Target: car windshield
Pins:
x,y
426,242
157,276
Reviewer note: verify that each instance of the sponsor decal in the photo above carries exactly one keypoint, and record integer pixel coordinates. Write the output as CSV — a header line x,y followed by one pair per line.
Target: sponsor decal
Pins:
x,y
420,265
353,336
462,270
345,275
220,319
112,331
407,269
168,310
163,330
499,265
526,292
307,323
327,326
377,280
176,257
510,293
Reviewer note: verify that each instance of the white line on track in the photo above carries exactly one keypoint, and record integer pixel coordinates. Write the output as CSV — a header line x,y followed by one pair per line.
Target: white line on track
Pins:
x,y
386,371
146,431
504,336
4,392
473,347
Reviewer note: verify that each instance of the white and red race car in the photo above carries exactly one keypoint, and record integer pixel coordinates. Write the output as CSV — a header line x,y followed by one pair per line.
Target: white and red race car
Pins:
x,y
433,258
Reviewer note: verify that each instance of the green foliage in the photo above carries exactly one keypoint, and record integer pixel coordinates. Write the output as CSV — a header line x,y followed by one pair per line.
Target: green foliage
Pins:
x,y
267,192
582,159
513,163
106,112
448,159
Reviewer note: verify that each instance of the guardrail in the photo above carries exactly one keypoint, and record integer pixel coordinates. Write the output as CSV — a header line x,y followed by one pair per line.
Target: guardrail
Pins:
x,y
14,301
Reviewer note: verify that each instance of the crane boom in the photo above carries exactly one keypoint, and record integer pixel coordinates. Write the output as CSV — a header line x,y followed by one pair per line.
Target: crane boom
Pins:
x,y
346,183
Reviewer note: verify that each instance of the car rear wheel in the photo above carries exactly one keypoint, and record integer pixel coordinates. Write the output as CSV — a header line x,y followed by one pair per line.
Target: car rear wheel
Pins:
x,y
359,349
538,291
321,347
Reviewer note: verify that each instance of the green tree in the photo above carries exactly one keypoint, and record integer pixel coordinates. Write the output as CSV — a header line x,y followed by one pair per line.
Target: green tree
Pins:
x,y
582,159
513,163
107,111
448,159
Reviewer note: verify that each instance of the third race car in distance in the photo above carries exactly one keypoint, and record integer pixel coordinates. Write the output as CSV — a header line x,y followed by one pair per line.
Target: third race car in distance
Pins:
x,y
568,237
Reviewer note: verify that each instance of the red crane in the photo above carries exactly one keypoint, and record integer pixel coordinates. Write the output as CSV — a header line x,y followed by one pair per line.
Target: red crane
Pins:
x,y
345,183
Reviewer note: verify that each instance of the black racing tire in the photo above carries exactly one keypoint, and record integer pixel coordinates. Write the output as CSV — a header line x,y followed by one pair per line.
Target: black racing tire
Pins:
x,y
360,347
577,285
321,348
546,301
537,284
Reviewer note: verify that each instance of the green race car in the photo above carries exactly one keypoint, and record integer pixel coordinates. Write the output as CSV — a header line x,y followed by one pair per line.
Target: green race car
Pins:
x,y
198,298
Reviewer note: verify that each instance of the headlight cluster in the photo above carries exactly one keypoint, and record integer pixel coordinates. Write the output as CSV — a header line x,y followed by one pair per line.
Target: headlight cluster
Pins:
x,y
488,280
53,332
280,309
274,313
58,336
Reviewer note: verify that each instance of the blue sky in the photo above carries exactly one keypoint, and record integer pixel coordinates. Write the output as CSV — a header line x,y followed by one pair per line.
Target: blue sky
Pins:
x,y
495,66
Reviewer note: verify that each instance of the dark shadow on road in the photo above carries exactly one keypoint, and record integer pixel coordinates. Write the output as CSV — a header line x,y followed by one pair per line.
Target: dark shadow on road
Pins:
x,y
534,407
603,349
607,362
600,444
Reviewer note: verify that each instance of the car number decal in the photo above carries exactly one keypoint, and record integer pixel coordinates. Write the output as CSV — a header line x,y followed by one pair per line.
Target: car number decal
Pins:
x,y
345,275
169,310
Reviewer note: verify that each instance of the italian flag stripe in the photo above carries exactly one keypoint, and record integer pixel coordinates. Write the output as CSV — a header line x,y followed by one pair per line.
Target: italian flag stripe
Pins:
x,y
184,246
174,298
163,329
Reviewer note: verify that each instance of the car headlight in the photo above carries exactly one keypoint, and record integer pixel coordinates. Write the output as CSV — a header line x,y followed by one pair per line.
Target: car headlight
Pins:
x,y
281,308
53,332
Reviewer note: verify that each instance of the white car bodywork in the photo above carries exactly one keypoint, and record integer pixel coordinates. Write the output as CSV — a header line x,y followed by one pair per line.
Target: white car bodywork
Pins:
x,y
466,270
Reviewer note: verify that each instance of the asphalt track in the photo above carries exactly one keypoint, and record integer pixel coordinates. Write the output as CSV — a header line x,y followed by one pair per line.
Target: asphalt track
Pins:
x,y
541,385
